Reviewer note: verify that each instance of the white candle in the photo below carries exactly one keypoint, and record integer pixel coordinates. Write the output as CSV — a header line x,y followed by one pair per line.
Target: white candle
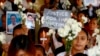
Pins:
x,y
44,33
44,36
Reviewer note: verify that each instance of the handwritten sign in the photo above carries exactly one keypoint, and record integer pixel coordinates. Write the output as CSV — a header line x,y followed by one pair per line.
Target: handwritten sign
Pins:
x,y
55,19
88,2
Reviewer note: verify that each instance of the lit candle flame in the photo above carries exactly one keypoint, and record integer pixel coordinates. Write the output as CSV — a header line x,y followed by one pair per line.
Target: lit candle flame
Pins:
x,y
1,3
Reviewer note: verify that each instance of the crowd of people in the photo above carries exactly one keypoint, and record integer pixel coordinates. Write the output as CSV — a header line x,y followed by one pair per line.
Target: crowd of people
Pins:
x,y
24,41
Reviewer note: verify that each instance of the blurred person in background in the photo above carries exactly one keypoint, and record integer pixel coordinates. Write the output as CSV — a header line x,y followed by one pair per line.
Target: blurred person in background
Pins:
x,y
21,46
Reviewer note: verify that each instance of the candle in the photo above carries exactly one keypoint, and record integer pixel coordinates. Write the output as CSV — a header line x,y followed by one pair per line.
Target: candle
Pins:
x,y
43,37
1,4
44,34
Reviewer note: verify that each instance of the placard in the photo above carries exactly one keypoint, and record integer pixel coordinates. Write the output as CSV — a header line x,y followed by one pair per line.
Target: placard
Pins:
x,y
30,21
92,2
55,19
13,18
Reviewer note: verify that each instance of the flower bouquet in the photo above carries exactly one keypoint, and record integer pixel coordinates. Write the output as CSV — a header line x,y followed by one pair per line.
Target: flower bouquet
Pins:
x,y
69,32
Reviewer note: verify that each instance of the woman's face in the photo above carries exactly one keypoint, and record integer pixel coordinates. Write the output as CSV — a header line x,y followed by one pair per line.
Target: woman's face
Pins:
x,y
39,53
47,1
93,25
79,17
80,42
78,2
22,53
45,39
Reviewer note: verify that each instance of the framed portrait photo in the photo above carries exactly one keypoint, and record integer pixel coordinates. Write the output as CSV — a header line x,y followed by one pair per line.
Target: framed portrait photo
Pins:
x,y
13,18
30,20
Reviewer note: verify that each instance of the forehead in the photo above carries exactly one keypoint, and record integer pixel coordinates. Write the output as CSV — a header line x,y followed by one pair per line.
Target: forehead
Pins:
x,y
93,20
82,33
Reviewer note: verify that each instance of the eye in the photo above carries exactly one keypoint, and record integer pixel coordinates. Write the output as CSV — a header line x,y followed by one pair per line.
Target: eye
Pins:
x,y
83,38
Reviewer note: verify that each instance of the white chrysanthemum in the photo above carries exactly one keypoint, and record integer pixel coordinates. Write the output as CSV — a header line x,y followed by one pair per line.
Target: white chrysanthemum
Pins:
x,y
98,39
51,31
17,1
85,19
23,15
23,9
96,31
80,24
67,28
20,6
95,51
2,37
70,37
70,25
62,32
98,12
42,20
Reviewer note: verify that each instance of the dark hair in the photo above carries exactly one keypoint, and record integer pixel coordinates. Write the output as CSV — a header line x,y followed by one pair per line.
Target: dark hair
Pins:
x,y
46,29
39,47
19,26
80,54
12,15
31,34
29,15
86,47
79,12
21,42
85,32
94,18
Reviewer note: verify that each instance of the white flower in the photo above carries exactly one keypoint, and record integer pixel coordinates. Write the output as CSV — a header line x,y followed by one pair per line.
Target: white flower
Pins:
x,y
70,38
23,15
31,5
98,40
98,12
42,20
67,28
70,25
85,19
51,31
96,31
2,37
17,1
95,51
62,32
38,15
23,9
20,6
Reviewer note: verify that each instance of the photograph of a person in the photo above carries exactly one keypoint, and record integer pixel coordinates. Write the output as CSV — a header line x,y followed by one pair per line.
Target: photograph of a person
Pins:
x,y
30,21
13,19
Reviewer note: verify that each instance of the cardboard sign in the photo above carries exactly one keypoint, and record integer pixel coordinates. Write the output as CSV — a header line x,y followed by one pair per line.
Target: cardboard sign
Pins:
x,y
88,2
55,19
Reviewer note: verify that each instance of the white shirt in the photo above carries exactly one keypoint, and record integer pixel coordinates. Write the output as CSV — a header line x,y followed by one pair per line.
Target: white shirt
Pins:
x,y
30,24
11,26
49,51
